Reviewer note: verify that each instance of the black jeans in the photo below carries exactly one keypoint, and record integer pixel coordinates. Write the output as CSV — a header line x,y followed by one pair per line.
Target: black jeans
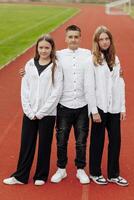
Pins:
x,y
30,129
66,118
111,122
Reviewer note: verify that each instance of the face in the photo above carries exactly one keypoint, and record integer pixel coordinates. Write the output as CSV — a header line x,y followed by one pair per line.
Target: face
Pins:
x,y
104,41
73,39
44,49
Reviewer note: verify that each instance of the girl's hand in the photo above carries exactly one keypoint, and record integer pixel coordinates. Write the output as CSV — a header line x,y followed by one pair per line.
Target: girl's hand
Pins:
x,y
122,116
22,72
96,118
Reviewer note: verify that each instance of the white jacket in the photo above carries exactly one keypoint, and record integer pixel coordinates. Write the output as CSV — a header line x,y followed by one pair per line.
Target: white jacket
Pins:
x,y
39,96
109,87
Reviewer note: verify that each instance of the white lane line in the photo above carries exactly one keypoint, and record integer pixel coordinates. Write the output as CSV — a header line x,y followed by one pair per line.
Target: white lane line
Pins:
x,y
85,192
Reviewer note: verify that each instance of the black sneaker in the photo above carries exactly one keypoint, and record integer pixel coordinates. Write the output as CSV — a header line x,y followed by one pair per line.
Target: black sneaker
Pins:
x,y
119,181
99,180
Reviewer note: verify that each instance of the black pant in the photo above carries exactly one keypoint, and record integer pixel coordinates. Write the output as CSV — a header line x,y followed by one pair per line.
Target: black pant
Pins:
x,y
30,128
66,118
112,123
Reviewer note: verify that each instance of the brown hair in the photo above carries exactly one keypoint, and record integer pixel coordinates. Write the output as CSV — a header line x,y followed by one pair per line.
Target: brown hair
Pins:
x,y
97,54
49,39
73,28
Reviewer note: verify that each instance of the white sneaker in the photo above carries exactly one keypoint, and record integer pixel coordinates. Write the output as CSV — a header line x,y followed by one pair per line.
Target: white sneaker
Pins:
x,y
82,176
99,179
12,181
59,175
39,182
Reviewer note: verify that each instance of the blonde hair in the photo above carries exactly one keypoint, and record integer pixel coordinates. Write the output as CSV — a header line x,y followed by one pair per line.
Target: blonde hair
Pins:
x,y
96,50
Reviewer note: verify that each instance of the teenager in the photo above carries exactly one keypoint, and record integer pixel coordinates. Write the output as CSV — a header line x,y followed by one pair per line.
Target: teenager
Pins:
x,y
72,111
40,92
110,99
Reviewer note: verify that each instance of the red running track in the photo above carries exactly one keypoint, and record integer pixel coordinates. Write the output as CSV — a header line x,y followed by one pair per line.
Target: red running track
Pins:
x,y
88,19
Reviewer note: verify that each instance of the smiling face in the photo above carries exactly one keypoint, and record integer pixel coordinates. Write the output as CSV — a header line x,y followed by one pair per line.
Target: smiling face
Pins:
x,y
104,41
73,39
44,49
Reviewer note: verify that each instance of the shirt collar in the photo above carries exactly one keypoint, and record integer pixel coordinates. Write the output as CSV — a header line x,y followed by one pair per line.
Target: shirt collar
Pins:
x,y
73,51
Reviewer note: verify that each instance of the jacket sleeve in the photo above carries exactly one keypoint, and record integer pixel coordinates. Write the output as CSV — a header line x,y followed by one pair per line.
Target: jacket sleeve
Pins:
x,y
122,94
121,87
89,88
54,98
25,101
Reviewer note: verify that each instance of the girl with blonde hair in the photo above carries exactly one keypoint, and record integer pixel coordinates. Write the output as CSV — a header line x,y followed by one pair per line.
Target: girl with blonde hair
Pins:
x,y
110,100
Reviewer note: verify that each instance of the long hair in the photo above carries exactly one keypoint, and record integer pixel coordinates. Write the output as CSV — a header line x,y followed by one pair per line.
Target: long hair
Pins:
x,y
96,50
49,39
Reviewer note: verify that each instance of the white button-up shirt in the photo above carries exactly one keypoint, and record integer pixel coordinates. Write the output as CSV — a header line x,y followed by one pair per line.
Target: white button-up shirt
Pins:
x,y
110,88
39,96
78,79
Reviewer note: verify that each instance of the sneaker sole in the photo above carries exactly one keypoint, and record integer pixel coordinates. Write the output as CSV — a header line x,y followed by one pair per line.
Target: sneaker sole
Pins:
x,y
12,183
123,185
84,183
99,183
39,184
59,180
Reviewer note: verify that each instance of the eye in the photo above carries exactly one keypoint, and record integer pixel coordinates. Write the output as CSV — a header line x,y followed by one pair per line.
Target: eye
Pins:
x,y
101,39
107,39
70,37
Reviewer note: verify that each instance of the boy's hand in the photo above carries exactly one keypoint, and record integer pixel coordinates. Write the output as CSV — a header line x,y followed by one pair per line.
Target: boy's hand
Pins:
x,y
22,72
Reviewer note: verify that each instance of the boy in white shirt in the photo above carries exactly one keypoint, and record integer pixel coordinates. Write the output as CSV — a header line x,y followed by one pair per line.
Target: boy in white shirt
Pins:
x,y
72,110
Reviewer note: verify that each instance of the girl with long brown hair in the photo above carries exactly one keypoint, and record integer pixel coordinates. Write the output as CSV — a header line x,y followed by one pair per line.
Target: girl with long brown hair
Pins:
x,y
110,100
41,88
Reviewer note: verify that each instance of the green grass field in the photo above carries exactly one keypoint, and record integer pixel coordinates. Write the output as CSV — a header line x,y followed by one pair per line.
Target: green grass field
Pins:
x,y
21,25
132,11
